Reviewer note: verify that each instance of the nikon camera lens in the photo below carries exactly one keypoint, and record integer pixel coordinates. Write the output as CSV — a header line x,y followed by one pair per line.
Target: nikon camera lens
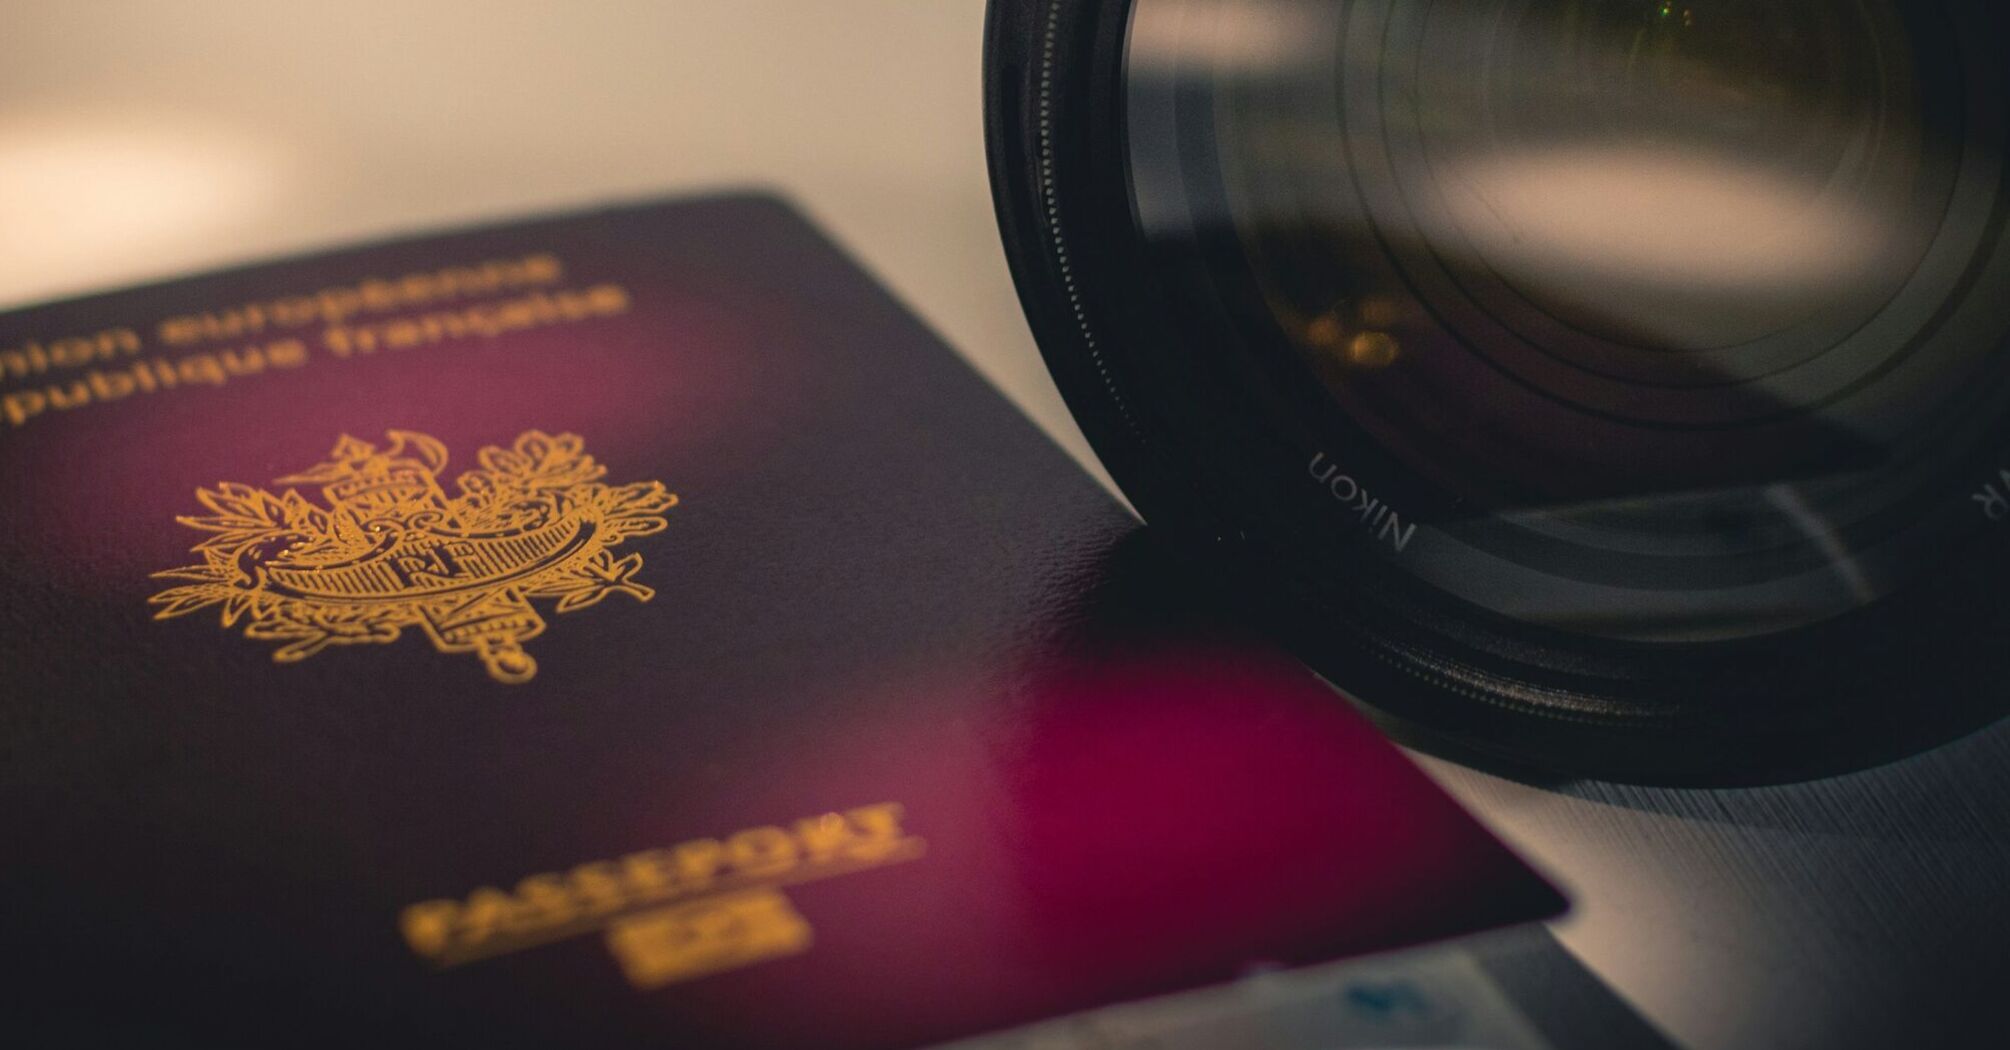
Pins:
x,y
1599,387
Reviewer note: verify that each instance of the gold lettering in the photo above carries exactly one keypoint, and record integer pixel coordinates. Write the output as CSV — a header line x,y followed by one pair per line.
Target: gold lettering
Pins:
x,y
297,311
24,361
879,830
199,368
247,361
691,940
651,873
33,358
109,386
489,912
470,280
608,299
439,327
69,353
401,334
115,342
515,315
599,887
762,852
22,405
542,269
75,395
346,341
338,303
179,331
546,899
429,926
419,287
287,353
622,896
698,864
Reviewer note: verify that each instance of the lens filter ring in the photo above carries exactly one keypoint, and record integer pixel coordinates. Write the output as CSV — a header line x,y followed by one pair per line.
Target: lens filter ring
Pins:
x,y
1189,193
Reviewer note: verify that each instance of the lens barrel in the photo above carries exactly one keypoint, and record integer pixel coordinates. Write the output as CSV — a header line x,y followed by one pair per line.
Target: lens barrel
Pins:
x,y
1595,387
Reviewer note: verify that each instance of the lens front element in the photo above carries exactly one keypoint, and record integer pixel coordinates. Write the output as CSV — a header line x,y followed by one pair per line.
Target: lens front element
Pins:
x,y
1681,319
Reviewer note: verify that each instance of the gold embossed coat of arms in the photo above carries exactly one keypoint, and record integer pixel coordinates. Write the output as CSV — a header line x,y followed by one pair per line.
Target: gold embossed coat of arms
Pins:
x,y
384,549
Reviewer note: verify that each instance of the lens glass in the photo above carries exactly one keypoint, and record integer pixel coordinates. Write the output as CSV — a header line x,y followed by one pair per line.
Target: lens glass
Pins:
x,y
1665,320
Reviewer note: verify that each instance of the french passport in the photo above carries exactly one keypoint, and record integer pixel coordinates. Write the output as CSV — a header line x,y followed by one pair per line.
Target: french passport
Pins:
x,y
630,628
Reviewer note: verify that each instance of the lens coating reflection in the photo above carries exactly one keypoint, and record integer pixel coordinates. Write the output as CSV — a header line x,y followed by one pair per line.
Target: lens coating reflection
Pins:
x,y
1689,313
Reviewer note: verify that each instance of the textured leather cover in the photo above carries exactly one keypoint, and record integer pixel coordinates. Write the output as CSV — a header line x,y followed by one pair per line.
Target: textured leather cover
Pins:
x,y
889,728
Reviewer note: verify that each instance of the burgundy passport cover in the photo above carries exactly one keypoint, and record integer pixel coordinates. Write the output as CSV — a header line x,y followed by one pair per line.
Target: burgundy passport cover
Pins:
x,y
629,629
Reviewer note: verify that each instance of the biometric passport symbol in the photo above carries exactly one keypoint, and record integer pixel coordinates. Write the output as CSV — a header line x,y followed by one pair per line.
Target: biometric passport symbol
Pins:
x,y
387,549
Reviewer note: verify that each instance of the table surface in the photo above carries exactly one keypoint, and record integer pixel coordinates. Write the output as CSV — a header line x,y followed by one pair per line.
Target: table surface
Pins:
x,y
143,141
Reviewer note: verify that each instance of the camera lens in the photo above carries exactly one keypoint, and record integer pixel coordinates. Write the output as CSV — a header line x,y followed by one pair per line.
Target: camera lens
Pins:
x,y
1613,385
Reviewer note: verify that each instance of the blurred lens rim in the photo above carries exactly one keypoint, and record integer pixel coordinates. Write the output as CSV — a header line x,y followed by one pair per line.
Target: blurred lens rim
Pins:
x,y
1176,426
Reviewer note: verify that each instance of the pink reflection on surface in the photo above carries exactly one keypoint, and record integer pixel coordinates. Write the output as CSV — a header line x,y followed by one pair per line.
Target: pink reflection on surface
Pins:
x,y
1099,830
